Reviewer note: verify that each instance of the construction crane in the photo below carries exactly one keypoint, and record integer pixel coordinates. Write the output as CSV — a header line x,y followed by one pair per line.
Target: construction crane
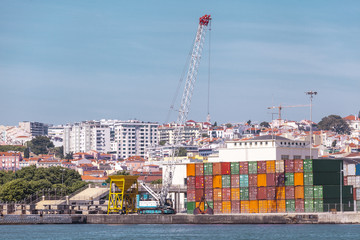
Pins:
x,y
281,107
191,75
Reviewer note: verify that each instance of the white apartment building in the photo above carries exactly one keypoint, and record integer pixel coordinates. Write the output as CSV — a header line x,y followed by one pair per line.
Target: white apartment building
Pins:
x,y
264,148
86,136
187,133
35,128
56,134
132,137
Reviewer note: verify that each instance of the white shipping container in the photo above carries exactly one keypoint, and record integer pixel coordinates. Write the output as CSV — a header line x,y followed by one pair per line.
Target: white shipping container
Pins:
x,y
351,180
279,166
148,204
357,182
349,169
357,193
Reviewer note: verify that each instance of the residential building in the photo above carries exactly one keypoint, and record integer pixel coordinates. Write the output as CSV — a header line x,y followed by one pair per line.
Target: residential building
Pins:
x,y
56,134
10,160
34,128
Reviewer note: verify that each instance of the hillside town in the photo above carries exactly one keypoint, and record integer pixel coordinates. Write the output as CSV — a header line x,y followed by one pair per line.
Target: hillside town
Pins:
x,y
97,149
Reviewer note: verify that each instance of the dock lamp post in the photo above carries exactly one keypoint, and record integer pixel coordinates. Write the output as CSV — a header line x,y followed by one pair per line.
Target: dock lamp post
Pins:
x,y
311,94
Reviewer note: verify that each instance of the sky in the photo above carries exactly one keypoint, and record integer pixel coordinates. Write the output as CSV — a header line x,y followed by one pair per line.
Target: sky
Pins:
x,y
66,61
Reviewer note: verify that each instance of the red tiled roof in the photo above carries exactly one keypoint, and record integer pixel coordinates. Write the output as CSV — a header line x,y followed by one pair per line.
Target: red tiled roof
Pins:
x,y
350,118
87,177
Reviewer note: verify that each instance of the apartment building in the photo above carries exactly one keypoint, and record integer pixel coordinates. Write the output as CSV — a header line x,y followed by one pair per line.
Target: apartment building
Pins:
x,y
10,160
34,128
187,133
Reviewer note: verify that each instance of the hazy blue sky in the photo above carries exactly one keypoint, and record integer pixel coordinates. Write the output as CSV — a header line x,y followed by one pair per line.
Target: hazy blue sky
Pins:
x,y
66,61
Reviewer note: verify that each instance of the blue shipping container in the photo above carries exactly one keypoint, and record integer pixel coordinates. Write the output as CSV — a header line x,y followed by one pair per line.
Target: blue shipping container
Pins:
x,y
357,170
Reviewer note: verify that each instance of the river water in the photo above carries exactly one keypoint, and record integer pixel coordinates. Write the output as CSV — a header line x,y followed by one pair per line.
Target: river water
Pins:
x,y
174,231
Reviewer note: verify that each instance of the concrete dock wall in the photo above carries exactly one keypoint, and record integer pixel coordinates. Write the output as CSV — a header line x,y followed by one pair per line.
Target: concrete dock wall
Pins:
x,y
276,218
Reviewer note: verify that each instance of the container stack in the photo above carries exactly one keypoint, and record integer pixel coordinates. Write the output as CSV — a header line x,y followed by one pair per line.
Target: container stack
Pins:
x,y
267,186
352,178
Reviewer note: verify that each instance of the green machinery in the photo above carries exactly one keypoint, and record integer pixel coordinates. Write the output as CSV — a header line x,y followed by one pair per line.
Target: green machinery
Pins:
x,y
122,194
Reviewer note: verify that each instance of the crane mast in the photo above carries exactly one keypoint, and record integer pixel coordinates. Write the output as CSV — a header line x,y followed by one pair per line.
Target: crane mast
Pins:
x,y
185,102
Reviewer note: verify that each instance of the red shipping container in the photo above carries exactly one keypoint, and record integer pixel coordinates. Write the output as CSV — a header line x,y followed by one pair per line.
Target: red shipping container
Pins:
x,y
270,179
299,165
253,180
225,168
217,168
199,182
261,193
270,193
289,166
218,207
199,193
244,167
209,195
253,193
299,205
261,165
199,169
235,181
280,179
190,183
208,181
290,192
345,181
235,206
226,194
191,195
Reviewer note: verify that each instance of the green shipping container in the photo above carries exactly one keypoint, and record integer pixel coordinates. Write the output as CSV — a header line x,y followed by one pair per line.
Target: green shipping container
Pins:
x,y
252,167
289,179
318,205
244,180
235,168
333,192
329,204
290,205
327,165
226,181
318,192
208,169
211,204
244,193
308,179
309,192
326,178
309,205
190,207
308,166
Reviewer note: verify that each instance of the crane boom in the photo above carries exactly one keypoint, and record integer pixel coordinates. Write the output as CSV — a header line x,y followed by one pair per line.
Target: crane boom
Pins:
x,y
185,101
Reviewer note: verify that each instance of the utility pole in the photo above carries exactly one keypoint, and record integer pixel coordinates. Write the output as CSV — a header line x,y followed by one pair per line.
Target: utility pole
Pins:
x,y
311,94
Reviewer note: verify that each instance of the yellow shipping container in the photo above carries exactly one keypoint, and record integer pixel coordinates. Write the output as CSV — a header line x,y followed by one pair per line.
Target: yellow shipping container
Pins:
x,y
244,206
271,206
217,195
254,206
299,179
270,166
280,193
226,206
217,182
235,194
202,205
281,206
261,180
190,170
263,206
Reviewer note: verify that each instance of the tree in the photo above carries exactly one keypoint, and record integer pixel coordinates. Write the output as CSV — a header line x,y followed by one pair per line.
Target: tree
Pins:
x,y
159,181
40,145
59,152
27,153
215,124
265,124
69,156
333,144
6,148
249,122
229,125
205,135
162,142
334,123
182,152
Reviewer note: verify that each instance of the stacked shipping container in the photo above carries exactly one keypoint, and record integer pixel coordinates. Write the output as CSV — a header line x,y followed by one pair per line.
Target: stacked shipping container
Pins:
x,y
262,186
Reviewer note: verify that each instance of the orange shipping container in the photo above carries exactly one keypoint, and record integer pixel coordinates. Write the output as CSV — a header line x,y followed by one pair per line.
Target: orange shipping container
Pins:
x,y
190,170
280,206
299,192
263,206
202,205
217,195
270,166
226,207
235,194
254,206
244,206
271,206
217,168
261,180
280,193
298,179
217,182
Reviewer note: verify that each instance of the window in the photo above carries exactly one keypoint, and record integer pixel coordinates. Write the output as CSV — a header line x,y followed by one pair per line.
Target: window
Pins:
x,y
297,157
284,157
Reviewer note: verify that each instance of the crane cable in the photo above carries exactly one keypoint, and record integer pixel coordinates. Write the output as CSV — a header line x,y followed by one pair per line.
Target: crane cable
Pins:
x,y
208,100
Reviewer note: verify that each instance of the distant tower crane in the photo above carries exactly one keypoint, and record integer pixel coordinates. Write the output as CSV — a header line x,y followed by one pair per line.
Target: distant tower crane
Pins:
x,y
281,107
183,110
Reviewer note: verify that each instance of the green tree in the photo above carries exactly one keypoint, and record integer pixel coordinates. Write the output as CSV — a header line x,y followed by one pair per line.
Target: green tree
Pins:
x,y
333,144
15,190
6,148
205,135
229,125
59,152
162,142
249,122
265,124
215,124
27,153
40,145
159,181
334,123
69,156
182,152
